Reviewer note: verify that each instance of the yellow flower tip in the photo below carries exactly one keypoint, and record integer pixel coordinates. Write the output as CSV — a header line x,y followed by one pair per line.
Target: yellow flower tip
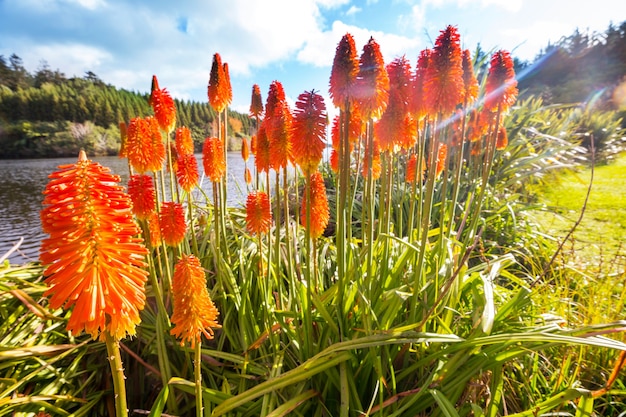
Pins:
x,y
82,156
194,311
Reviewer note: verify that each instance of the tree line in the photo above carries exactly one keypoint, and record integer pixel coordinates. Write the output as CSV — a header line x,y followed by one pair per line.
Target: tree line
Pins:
x,y
41,112
578,68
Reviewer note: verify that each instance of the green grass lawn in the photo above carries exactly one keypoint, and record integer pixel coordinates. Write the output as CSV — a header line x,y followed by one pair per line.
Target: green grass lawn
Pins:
x,y
602,233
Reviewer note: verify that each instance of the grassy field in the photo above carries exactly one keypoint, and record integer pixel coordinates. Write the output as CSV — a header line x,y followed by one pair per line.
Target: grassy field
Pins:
x,y
601,235
589,288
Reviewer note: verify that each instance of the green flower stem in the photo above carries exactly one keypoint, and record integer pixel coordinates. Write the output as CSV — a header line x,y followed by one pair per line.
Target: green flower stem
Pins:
x,y
197,363
117,372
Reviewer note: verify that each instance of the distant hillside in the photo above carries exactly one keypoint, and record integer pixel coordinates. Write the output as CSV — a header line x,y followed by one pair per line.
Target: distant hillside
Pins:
x,y
46,114
578,67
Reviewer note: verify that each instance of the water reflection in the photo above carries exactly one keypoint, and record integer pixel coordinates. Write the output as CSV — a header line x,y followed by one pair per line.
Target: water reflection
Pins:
x,y
22,183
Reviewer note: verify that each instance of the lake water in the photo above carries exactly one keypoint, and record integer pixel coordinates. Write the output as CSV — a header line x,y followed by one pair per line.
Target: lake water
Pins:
x,y
23,181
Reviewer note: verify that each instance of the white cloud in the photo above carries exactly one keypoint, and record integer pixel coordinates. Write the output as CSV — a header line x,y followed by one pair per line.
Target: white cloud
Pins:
x,y
415,19
510,5
528,41
73,59
353,10
88,4
330,4
320,50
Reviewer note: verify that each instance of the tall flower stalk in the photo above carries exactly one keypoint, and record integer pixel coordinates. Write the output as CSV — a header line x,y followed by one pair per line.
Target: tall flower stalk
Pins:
x,y
94,258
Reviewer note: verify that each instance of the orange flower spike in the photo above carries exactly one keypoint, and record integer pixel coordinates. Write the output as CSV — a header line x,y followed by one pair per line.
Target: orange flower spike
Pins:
x,y
394,126
501,86
226,86
123,139
172,223
443,83
262,156
155,229
247,176
372,84
441,158
308,131
399,72
194,312
417,102
153,86
245,150
187,171
216,90
93,258
411,169
142,194
145,148
502,140
258,213
256,102
213,159
184,142
253,144
470,83
278,120
164,108
320,213
344,73
334,161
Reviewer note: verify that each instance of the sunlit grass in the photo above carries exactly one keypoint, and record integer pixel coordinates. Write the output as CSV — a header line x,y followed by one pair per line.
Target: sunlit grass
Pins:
x,y
602,231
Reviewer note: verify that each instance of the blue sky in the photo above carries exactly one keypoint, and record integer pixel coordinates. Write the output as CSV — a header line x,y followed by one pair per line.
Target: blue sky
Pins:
x,y
292,41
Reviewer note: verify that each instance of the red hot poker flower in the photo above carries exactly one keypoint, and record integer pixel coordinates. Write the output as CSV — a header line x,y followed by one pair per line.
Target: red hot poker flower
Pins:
x,y
372,84
501,87
216,91
442,154
155,229
226,86
256,102
344,72
245,150
164,107
253,144
142,194
172,222
258,213
187,171
194,311
184,142
308,131
502,140
334,161
417,104
278,123
262,155
470,82
93,257
144,147
320,213
213,159
411,170
443,84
